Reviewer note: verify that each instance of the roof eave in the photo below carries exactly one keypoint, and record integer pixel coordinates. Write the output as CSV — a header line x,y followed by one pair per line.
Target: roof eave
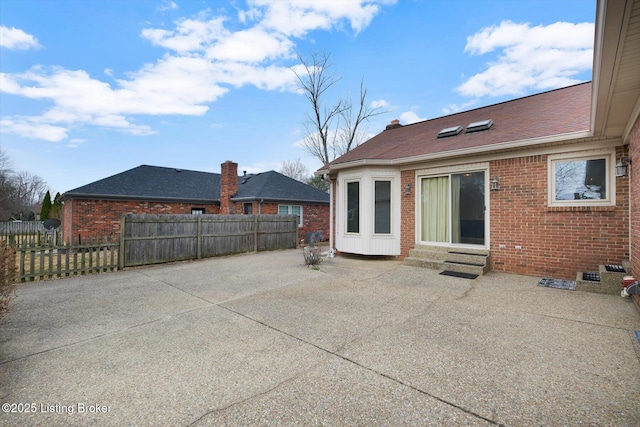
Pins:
x,y
278,199
115,197
464,152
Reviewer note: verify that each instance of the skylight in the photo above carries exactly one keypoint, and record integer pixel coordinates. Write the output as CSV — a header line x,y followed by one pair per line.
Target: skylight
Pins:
x,y
478,126
449,131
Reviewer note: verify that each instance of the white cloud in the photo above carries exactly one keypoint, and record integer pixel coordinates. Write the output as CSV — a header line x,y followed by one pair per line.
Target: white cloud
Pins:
x,y
30,128
409,117
167,5
297,17
14,38
203,61
540,57
75,142
189,35
380,103
455,108
252,45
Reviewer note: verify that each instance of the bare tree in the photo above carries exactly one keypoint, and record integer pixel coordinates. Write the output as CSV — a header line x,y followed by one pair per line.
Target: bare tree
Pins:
x,y
295,169
19,191
336,129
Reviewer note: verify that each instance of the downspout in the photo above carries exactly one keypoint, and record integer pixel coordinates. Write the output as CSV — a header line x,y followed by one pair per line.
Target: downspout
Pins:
x,y
332,249
260,206
630,202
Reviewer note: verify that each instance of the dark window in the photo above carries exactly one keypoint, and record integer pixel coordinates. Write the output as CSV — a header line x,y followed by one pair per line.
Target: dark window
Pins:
x,y
353,207
248,208
382,202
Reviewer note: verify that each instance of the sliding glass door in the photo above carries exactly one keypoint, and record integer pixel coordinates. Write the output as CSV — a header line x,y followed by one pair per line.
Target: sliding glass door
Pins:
x,y
453,208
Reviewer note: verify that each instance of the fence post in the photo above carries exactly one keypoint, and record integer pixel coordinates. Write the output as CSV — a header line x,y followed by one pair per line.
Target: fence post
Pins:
x,y
255,233
121,247
199,237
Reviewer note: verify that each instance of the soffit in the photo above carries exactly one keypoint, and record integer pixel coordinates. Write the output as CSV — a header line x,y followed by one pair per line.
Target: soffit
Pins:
x,y
616,67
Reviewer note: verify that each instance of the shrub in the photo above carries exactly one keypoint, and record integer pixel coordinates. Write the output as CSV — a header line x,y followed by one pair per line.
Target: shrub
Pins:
x,y
312,256
7,277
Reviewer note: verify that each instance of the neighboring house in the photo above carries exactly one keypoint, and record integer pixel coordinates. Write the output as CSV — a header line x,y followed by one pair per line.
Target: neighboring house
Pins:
x,y
37,209
531,182
95,210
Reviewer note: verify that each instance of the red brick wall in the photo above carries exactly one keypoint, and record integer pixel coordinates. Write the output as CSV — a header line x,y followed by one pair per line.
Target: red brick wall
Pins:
x,y
634,175
89,218
97,218
407,212
315,218
556,242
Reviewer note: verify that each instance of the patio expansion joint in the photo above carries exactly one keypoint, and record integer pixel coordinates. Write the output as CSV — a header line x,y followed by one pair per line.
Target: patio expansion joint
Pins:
x,y
358,364
566,319
103,335
252,397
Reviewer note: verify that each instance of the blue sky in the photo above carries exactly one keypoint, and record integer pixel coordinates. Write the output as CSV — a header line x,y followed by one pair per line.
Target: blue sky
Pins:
x,y
90,88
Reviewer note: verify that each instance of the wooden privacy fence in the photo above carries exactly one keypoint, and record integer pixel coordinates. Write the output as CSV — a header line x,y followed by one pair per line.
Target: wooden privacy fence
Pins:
x,y
20,227
28,233
152,239
53,261
39,238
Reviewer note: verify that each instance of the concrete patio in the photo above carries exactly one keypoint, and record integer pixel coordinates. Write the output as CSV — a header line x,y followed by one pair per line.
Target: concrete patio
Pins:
x,y
261,339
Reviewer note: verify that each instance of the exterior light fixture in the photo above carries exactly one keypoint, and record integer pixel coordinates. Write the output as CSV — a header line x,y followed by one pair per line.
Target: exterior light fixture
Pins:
x,y
495,184
407,188
622,168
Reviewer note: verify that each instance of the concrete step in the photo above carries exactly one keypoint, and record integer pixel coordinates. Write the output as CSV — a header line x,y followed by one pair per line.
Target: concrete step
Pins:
x,y
480,270
461,260
433,264
596,286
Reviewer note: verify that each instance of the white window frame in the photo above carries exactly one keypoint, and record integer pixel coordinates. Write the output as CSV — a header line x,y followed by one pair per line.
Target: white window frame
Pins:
x,y
198,211
289,212
610,180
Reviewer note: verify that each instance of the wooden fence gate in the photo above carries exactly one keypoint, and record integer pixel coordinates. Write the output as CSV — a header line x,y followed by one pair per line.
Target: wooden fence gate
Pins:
x,y
152,239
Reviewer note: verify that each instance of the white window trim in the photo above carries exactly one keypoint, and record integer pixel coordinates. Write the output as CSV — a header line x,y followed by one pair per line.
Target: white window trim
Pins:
x,y
301,222
607,154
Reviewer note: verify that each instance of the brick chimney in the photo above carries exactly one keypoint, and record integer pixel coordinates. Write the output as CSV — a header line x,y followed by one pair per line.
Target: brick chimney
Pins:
x,y
395,123
228,186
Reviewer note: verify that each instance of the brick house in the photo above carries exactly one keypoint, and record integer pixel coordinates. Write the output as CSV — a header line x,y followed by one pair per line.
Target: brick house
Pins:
x,y
95,210
530,183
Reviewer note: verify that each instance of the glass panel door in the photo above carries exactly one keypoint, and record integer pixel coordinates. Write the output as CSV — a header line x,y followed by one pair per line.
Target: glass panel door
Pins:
x,y
453,208
435,209
467,208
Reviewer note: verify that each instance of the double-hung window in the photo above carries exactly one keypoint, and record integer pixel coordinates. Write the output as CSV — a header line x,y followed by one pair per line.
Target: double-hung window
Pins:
x,y
581,180
291,210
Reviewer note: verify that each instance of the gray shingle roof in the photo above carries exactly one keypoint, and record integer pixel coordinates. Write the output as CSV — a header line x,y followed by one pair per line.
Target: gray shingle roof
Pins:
x,y
273,186
171,184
